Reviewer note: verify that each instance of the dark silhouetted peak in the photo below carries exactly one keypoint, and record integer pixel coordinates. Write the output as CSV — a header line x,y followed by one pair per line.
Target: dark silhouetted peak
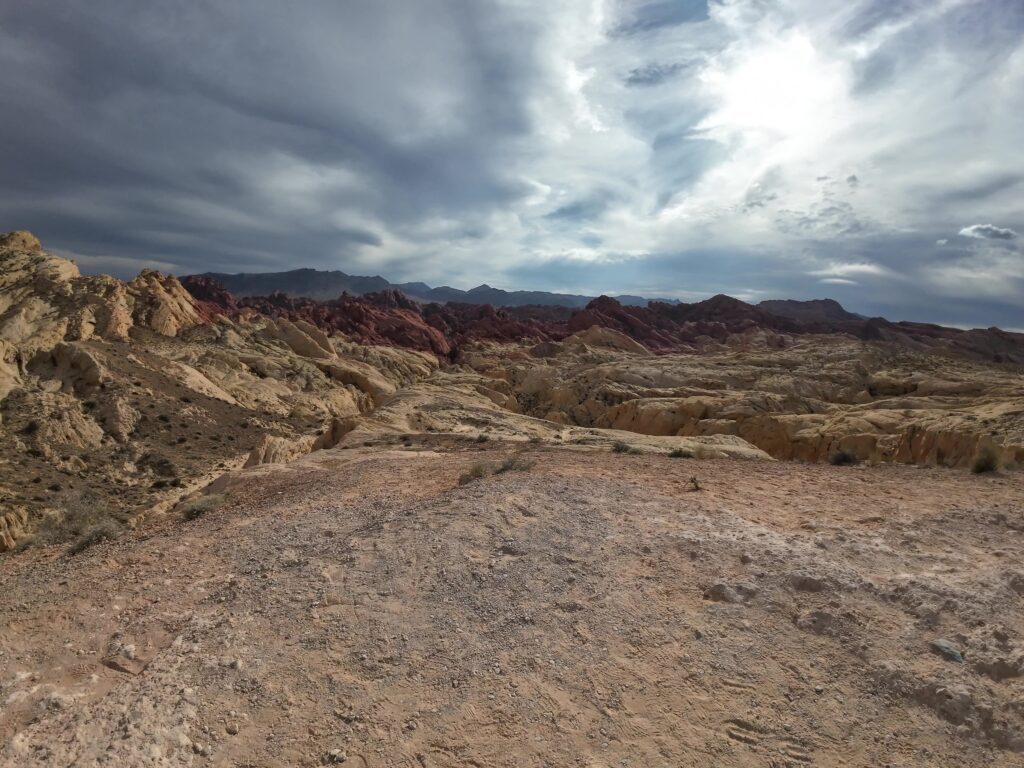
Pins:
x,y
813,311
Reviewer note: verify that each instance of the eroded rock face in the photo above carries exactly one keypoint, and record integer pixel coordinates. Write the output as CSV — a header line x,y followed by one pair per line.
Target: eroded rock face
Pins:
x,y
826,395
20,240
115,394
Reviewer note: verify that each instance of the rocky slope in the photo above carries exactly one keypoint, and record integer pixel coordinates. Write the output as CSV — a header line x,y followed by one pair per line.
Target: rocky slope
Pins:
x,y
363,607
115,396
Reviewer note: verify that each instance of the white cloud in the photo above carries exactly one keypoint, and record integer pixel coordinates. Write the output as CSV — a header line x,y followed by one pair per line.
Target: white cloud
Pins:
x,y
987,232
843,270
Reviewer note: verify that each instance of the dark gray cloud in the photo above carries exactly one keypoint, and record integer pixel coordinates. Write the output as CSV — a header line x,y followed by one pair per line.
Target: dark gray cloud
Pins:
x,y
651,15
201,133
653,74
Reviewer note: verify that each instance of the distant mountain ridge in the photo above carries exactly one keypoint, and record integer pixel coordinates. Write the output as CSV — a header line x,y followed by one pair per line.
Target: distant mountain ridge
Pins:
x,y
325,285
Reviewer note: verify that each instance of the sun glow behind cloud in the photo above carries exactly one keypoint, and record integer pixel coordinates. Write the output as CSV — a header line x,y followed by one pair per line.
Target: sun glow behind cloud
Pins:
x,y
779,97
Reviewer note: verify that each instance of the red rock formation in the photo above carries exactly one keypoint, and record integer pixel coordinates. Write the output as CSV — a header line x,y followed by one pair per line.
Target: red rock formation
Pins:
x,y
390,317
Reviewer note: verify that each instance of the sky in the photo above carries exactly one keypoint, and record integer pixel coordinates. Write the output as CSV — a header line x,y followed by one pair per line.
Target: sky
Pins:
x,y
871,151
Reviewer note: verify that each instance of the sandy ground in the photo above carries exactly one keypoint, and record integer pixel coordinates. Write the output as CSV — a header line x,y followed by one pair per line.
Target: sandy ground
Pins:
x,y
361,606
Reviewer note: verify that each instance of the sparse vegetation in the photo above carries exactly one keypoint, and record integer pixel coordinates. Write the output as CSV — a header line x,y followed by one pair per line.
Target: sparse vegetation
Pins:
x,y
620,447
985,461
695,484
84,524
196,508
515,463
105,530
475,472
482,438
843,457
680,453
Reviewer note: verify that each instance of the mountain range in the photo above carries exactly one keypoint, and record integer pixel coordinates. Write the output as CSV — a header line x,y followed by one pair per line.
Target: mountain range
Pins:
x,y
330,284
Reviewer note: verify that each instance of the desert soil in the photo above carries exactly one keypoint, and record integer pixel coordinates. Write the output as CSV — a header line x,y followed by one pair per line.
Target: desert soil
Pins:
x,y
361,606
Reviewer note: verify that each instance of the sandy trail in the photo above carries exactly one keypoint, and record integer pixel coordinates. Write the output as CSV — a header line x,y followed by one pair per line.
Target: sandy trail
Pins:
x,y
593,610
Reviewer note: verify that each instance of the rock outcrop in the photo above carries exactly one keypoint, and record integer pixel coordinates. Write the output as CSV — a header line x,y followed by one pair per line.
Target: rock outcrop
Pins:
x,y
114,394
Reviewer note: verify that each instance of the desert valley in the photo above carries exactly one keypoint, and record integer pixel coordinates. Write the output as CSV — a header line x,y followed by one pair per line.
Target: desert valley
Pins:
x,y
272,530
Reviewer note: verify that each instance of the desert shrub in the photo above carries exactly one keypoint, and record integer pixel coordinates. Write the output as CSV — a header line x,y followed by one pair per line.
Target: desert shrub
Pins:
x,y
482,438
680,453
515,463
196,508
985,461
536,439
843,457
620,447
85,522
695,484
107,529
475,472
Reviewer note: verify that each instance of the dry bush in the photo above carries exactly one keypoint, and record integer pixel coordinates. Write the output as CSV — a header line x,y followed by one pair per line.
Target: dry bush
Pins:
x,y
85,522
196,508
475,472
680,453
515,463
620,447
985,461
843,457
105,530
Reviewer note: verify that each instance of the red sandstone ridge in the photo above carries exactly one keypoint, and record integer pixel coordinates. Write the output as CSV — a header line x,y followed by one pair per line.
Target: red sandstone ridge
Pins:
x,y
387,317
392,318
666,327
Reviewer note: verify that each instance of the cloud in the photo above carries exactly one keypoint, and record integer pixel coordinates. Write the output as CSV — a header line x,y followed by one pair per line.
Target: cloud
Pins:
x,y
842,270
653,74
838,281
627,146
987,232
652,15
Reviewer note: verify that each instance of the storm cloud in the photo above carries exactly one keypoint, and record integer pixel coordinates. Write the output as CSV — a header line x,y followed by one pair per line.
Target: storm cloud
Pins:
x,y
763,148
